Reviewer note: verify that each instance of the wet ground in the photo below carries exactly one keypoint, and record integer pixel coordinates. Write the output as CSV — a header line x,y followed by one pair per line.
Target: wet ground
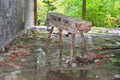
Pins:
x,y
25,58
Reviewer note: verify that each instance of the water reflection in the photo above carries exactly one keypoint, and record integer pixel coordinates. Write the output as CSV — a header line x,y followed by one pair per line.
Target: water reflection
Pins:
x,y
45,64
52,73
40,57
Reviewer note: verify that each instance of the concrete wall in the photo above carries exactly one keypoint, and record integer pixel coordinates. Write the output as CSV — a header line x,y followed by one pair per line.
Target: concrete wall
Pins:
x,y
29,14
14,18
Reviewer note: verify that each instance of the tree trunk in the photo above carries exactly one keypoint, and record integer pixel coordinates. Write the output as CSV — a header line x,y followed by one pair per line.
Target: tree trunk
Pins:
x,y
35,12
84,9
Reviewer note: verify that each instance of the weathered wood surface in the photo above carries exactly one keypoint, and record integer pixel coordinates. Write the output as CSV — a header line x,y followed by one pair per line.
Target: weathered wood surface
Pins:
x,y
68,23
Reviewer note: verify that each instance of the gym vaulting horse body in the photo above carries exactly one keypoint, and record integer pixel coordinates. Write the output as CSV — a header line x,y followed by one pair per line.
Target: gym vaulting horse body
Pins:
x,y
72,25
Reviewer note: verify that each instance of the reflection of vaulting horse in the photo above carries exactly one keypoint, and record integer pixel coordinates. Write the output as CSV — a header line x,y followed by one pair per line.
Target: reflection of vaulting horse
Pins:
x,y
72,25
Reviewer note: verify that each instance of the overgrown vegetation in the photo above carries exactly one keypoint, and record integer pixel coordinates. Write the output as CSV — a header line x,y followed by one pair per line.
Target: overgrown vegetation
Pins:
x,y
102,13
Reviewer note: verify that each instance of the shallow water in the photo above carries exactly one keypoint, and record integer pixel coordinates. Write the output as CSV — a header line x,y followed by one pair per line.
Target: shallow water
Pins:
x,y
46,64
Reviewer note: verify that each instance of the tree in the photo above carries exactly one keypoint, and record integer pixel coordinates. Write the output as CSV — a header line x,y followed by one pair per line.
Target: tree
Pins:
x,y
84,9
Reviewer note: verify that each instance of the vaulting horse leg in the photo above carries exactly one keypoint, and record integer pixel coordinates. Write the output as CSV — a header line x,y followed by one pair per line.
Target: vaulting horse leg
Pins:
x,y
48,63
49,36
72,47
60,37
85,43
60,45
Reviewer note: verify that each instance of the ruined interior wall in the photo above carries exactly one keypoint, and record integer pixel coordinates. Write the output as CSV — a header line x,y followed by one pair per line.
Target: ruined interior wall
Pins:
x,y
12,18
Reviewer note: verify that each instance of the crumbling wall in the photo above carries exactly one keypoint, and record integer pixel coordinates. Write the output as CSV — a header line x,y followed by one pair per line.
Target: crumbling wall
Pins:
x,y
12,18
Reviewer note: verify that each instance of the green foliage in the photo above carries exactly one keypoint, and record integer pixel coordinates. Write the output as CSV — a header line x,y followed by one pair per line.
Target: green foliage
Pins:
x,y
74,8
112,21
44,6
101,12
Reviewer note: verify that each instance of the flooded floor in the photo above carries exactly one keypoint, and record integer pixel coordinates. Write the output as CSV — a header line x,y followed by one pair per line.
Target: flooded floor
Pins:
x,y
25,58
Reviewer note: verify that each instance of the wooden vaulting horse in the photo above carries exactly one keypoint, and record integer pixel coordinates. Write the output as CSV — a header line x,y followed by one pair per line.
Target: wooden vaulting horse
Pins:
x,y
72,25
